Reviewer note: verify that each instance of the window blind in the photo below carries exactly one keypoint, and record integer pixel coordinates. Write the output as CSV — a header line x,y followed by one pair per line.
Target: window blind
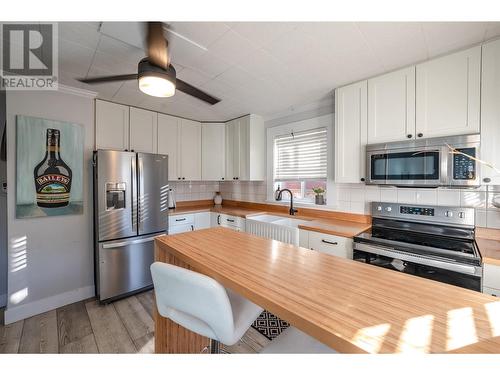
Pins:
x,y
300,156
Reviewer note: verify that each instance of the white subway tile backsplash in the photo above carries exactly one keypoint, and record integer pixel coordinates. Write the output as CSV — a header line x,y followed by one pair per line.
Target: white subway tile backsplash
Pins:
x,y
476,199
344,194
358,207
426,197
357,195
372,194
388,194
407,195
493,219
448,197
481,217
344,206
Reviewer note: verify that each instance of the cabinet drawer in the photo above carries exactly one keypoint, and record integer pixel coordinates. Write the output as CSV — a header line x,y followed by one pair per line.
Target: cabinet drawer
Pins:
x,y
334,245
491,276
229,220
181,220
491,291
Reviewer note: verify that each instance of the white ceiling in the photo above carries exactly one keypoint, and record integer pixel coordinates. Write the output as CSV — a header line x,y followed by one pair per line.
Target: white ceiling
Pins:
x,y
257,67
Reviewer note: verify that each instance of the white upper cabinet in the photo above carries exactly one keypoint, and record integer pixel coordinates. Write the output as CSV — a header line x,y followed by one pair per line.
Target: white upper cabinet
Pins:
x,y
350,132
391,106
180,139
143,130
232,149
448,94
490,112
213,144
168,143
190,150
245,149
111,126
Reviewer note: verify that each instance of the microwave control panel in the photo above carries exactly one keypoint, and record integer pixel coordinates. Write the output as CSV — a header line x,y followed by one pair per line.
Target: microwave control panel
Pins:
x,y
464,165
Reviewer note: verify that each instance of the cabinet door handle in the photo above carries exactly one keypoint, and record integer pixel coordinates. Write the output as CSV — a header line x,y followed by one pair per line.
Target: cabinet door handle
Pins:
x,y
420,135
329,242
218,219
230,220
180,219
409,136
192,227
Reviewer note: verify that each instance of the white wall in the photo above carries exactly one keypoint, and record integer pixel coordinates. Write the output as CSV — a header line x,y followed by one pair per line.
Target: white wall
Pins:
x,y
59,249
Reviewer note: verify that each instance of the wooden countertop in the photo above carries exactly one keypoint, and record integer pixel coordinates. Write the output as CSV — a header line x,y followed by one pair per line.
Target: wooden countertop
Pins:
x,y
350,306
337,227
488,242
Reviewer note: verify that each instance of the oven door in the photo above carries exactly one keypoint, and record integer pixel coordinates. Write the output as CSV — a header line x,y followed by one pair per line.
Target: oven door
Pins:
x,y
467,281
423,166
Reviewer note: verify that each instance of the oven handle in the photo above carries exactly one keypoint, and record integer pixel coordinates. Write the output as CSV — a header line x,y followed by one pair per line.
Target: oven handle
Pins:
x,y
392,253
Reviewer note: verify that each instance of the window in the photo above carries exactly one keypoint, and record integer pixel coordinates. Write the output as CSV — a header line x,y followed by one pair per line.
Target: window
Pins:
x,y
300,163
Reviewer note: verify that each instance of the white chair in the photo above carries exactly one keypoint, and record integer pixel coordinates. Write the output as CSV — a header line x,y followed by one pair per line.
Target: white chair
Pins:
x,y
202,305
294,341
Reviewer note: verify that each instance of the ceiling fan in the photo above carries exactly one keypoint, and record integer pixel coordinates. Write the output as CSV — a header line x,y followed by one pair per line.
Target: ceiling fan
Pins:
x,y
155,73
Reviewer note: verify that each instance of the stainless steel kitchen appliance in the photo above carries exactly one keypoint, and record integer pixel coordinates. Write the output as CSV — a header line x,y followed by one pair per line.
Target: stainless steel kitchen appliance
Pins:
x,y
425,162
130,210
433,242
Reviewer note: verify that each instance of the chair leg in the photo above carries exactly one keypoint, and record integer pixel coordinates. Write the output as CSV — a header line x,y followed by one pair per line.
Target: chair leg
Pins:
x,y
214,347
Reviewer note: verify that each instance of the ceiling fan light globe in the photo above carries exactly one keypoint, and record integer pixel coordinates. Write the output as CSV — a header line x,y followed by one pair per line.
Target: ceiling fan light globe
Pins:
x,y
156,86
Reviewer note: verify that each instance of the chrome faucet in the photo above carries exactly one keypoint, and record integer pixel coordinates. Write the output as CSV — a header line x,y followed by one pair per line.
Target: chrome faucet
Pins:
x,y
292,210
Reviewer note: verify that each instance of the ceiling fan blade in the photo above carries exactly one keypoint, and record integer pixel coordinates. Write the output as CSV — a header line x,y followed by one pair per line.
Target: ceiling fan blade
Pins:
x,y
122,77
157,45
193,91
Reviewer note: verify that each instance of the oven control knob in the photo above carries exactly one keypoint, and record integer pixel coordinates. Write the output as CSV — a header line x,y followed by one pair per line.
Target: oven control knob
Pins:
x,y
379,208
448,214
461,215
388,209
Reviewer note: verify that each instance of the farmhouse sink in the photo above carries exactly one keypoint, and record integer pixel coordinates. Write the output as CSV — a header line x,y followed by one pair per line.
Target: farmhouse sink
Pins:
x,y
280,228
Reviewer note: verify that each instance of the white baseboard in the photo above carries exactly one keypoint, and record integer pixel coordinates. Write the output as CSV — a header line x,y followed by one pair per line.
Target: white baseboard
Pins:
x,y
13,314
3,300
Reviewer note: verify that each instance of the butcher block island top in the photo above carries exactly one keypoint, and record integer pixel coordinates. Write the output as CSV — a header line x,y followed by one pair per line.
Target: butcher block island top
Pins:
x,y
350,306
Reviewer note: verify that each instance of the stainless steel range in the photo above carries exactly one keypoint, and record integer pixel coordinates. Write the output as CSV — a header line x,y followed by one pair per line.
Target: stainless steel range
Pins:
x,y
434,242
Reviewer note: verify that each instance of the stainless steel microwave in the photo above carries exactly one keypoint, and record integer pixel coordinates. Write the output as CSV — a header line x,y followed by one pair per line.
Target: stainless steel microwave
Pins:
x,y
425,162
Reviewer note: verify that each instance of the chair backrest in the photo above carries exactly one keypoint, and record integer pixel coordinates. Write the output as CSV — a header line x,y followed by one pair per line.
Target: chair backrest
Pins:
x,y
181,290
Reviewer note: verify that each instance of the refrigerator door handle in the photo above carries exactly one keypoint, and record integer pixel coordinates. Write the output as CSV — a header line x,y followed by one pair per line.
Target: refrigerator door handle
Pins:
x,y
133,195
140,192
114,245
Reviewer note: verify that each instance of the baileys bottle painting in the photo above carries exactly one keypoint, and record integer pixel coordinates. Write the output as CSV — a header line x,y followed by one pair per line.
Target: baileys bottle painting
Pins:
x,y
52,153
52,175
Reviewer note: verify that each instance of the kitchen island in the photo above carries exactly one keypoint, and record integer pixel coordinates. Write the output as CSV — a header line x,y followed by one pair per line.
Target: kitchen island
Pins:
x,y
352,307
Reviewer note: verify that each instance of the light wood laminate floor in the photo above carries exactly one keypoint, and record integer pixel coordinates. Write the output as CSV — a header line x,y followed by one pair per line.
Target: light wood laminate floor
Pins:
x,y
124,326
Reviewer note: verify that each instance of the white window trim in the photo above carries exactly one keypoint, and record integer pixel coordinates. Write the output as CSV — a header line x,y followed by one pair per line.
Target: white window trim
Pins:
x,y
325,121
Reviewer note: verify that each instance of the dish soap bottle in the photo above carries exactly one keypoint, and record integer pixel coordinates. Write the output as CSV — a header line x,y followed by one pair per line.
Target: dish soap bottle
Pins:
x,y
277,193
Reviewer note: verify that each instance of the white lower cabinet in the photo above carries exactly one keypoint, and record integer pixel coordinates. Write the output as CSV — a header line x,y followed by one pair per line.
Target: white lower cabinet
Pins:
x,y
202,220
180,223
228,221
491,279
330,244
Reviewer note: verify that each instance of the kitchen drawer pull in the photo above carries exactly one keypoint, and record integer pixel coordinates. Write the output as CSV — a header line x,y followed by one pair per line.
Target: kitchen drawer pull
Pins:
x,y
180,219
329,242
230,220
218,219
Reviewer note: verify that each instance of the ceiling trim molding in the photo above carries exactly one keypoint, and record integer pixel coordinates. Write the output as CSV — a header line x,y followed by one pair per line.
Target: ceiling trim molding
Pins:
x,y
76,91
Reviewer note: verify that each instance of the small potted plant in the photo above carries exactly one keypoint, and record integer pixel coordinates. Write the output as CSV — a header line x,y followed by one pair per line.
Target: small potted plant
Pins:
x,y
319,198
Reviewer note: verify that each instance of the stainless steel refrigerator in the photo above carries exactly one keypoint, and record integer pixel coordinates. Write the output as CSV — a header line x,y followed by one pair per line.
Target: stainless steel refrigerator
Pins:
x,y
130,210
